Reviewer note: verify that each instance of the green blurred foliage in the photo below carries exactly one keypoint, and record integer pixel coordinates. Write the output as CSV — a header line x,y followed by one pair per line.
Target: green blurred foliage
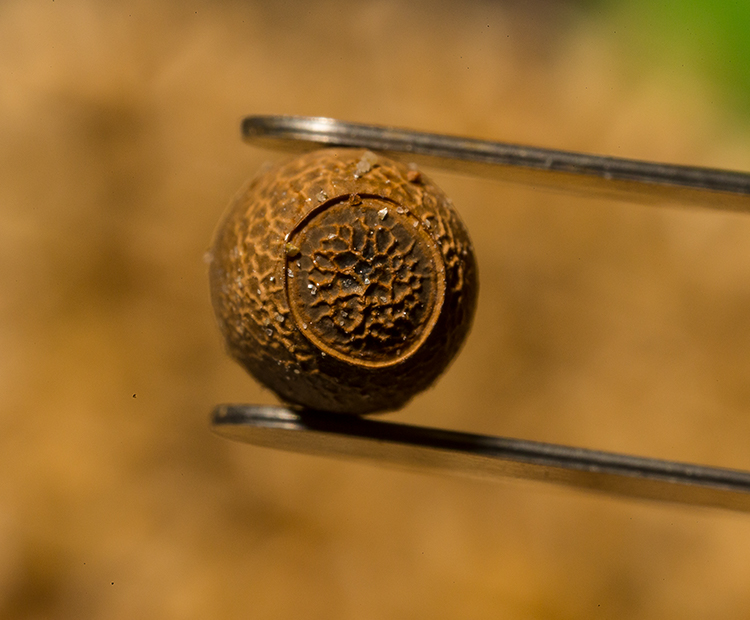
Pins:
x,y
705,38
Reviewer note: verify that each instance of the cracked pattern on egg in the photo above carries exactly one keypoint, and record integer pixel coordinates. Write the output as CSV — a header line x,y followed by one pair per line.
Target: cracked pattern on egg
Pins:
x,y
343,281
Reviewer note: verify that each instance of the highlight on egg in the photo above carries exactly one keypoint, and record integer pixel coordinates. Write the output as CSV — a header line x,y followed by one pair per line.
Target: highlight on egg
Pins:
x,y
343,281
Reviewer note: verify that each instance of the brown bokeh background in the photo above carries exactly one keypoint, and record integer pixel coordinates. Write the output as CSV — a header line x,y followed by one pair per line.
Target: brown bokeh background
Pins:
x,y
601,324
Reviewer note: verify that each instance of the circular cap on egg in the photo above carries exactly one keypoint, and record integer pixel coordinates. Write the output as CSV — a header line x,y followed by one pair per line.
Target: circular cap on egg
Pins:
x,y
363,281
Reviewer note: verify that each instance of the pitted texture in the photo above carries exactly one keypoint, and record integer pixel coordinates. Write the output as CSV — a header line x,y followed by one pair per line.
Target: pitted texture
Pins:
x,y
363,281
354,352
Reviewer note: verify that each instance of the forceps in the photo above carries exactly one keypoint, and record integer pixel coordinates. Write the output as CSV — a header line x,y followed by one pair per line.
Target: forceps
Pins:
x,y
424,448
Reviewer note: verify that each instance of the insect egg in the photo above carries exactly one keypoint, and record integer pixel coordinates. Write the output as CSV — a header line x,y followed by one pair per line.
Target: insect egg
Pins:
x,y
362,267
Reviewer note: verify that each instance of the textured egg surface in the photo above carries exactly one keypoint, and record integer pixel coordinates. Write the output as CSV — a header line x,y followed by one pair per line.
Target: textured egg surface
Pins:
x,y
343,281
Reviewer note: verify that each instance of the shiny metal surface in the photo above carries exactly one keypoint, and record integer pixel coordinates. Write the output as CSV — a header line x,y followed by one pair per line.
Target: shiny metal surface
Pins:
x,y
481,456
458,453
579,173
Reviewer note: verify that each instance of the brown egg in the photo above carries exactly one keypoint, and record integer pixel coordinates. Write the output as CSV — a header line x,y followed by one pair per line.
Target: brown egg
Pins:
x,y
343,281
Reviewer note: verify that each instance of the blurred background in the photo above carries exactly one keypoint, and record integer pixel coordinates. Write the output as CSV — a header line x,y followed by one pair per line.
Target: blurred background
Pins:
x,y
601,324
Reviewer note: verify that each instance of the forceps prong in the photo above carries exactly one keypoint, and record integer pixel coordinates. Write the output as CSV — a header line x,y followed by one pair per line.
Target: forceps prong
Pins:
x,y
566,171
481,456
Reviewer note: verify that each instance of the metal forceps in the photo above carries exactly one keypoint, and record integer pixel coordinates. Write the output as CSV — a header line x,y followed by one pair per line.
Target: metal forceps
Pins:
x,y
453,452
